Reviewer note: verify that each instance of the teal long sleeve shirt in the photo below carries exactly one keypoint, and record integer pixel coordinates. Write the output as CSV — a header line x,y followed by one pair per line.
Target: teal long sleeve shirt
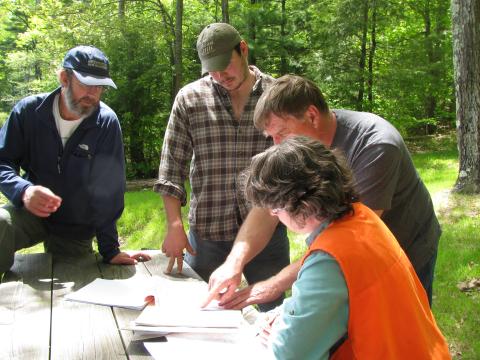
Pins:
x,y
315,317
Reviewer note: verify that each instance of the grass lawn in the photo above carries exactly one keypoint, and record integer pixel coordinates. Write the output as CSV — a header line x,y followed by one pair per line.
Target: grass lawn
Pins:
x,y
143,226
457,313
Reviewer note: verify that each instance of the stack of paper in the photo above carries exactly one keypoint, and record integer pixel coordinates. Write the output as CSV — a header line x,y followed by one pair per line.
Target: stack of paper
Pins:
x,y
177,308
232,347
190,318
129,293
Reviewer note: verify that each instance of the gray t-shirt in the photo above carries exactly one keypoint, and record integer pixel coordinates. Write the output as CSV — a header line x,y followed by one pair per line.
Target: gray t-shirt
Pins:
x,y
386,179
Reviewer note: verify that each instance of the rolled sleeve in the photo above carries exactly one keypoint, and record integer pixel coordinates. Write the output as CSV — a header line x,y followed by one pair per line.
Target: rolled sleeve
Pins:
x,y
176,154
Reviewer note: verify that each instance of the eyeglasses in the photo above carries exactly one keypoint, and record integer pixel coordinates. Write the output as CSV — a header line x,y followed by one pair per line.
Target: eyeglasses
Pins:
x,y
276,211
101,88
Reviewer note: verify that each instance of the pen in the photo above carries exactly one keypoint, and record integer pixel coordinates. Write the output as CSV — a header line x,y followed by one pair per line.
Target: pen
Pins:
x,y
269,322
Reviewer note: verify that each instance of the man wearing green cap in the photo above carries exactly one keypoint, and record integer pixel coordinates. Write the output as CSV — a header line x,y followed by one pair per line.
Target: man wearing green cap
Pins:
x,y
69,147
211,131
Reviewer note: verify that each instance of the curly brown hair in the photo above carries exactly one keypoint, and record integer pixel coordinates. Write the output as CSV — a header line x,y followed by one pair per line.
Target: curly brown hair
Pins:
x,y
302,177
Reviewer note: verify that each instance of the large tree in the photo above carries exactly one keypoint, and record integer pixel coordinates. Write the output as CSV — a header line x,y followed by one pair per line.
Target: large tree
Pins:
x,y
466,55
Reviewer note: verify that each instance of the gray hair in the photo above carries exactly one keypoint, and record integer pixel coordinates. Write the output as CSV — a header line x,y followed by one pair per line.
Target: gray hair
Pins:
x,y
288,95
302,177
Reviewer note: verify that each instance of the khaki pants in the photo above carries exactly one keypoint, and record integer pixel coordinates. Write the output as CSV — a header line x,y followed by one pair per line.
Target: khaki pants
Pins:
x,y
20,229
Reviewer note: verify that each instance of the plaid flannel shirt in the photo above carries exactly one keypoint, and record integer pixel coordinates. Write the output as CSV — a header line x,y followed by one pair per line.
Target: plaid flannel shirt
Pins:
x,y
203,134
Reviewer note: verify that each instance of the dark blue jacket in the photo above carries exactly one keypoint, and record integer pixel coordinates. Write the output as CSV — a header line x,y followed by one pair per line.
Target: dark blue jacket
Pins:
x,y
88,174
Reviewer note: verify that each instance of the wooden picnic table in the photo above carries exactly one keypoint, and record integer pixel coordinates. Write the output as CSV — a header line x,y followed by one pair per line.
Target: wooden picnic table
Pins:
x,y
37,323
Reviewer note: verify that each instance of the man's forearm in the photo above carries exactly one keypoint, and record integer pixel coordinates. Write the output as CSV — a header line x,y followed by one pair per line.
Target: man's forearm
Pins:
x,y
254,234
285,278
172,208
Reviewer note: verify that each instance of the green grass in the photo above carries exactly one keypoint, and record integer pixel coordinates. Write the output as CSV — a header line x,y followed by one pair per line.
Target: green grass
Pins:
x,y
142,224
457,313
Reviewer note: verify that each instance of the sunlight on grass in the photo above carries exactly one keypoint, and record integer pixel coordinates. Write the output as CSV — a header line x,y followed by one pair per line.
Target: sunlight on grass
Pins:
x,y
297,245
457,312
437,173
143,224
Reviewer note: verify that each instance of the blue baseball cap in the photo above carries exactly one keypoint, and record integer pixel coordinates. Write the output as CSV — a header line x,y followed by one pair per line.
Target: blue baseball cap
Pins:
x,y
90,66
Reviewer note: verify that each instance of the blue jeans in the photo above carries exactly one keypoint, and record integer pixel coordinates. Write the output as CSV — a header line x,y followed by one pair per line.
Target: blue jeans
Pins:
x,y
426,275
272,259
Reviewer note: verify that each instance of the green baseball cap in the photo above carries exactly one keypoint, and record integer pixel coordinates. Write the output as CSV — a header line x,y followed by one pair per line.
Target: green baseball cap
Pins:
x,y
215,44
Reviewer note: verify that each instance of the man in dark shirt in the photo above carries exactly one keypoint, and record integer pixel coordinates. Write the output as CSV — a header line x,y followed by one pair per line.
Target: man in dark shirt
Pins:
x,y
385,178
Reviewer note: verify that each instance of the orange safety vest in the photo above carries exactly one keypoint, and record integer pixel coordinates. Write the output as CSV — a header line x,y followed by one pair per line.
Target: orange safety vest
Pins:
x,y
389,314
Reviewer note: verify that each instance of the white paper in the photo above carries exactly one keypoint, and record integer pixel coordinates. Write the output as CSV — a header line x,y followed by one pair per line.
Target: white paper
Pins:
x,y
165,330
189,317
126,293
205,346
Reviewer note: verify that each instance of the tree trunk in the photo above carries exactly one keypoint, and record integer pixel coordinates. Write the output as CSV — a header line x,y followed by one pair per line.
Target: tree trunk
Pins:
x,y
133,129
283,36
253,33
363,57
430,100
225,16
371,55
171,29
178,47
121,9
466,58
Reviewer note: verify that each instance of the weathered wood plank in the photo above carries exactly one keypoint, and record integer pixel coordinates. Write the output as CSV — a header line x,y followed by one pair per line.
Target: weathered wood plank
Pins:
x,y
25,299
81,331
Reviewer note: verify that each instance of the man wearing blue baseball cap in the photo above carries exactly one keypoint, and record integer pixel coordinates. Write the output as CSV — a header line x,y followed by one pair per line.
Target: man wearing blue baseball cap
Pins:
x,y
62,167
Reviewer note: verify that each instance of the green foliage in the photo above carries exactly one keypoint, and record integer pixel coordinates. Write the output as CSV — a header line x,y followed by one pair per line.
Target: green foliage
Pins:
x,y
411,71
3,117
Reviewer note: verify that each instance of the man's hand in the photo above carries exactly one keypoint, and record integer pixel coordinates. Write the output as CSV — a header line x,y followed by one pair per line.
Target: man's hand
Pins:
x,y
259,293
263,291
126,259
175,242
40,201
223,283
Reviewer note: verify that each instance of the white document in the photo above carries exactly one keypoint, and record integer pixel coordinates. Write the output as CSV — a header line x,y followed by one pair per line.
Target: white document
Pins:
x,y
193,318
177,304
206,346
128,293
165,330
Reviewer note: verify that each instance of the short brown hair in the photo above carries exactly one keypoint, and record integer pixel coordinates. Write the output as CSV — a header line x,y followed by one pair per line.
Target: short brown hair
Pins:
x,y
288,95
302,177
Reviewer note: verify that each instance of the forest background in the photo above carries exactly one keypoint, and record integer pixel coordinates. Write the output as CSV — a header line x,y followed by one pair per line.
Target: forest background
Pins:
x,y
390,57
